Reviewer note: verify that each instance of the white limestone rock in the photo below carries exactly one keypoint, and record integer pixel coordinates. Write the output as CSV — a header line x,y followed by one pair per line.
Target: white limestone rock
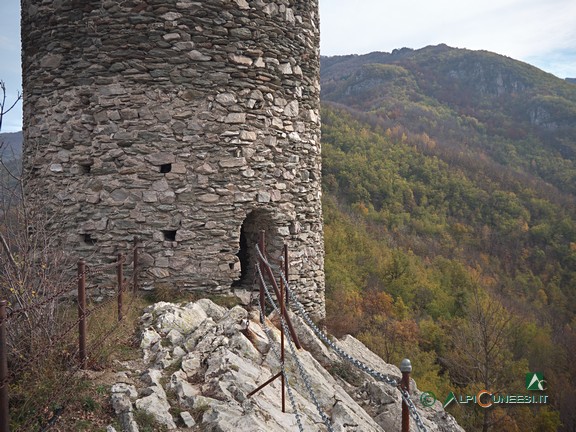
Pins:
x,y
187,419
228,354
183,320
157,406
212,309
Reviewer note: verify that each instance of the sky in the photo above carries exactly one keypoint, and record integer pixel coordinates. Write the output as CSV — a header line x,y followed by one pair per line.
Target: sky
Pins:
x,y
539,32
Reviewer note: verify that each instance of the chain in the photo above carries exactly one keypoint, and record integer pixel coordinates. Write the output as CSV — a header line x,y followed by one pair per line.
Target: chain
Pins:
x,y
51,344
105,302
343,354
278,357
360,365
301,370
117,325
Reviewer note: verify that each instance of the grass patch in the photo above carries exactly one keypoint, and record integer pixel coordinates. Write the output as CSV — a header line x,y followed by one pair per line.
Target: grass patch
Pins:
x,y
198,412
110,339
167,293
347,372
147,422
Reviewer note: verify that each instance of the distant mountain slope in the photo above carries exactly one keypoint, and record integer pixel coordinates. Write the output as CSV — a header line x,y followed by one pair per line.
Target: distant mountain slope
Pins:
x,y
469,102
407,231
11,145
449,176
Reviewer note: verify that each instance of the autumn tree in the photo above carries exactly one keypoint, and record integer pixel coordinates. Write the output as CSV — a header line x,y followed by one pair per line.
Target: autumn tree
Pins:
x,y
480,358
6,107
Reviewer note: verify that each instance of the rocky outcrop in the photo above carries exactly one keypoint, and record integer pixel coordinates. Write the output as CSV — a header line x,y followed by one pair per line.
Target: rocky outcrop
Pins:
x,y
203,360
540,117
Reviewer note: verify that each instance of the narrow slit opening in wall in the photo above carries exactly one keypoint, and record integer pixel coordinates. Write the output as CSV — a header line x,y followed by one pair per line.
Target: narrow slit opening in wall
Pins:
x,y
88,239
86,168
165,168
169,235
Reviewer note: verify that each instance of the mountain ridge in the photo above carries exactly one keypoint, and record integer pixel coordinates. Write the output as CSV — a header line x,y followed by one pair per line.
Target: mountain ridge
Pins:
x,y
473,101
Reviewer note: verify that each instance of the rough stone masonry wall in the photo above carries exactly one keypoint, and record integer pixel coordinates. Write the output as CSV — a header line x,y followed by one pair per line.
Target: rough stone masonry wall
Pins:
x,y
176,121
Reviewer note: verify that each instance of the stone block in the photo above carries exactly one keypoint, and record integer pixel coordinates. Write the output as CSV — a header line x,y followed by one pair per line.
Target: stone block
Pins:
x,y
285,68
232,162
196,55
51,61
187,419
263,197
209,198
161,158
235,118
149,196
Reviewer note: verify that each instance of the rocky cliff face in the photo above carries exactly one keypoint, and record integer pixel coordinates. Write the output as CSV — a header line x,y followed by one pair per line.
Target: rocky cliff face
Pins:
x,y
201,361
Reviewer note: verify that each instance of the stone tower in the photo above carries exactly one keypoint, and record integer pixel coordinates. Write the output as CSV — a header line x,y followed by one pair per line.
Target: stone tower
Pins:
x,y
190,124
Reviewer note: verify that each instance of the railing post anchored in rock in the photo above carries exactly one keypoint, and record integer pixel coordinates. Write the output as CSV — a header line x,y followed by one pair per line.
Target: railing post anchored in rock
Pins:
x,y
405,368
135,265
120,282
4,412
82,313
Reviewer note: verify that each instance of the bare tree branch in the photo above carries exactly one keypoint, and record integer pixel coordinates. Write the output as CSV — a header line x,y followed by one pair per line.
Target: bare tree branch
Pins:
x,y
4,110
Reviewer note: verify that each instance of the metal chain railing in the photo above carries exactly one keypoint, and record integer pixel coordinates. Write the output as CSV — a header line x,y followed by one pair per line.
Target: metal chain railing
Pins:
x,y
278,357
343,354
301,370
13,312
37,409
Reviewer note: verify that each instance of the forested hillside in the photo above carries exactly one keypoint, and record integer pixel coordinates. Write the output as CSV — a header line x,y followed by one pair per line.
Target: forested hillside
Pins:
x,y
10,157
10,145
471,103
450,224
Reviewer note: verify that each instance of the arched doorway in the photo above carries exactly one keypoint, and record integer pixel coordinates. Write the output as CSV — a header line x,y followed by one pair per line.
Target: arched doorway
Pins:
x,y
255,222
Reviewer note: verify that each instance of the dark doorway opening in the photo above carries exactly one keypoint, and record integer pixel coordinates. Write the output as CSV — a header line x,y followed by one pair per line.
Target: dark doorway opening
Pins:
x,y
255,222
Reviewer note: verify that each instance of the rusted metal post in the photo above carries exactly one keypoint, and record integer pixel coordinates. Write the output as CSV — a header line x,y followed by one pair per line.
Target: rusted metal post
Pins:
x,y
135,266
82,313
278,294
283,313
4,412
405,368
256,390
261,245
286,271
120,280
